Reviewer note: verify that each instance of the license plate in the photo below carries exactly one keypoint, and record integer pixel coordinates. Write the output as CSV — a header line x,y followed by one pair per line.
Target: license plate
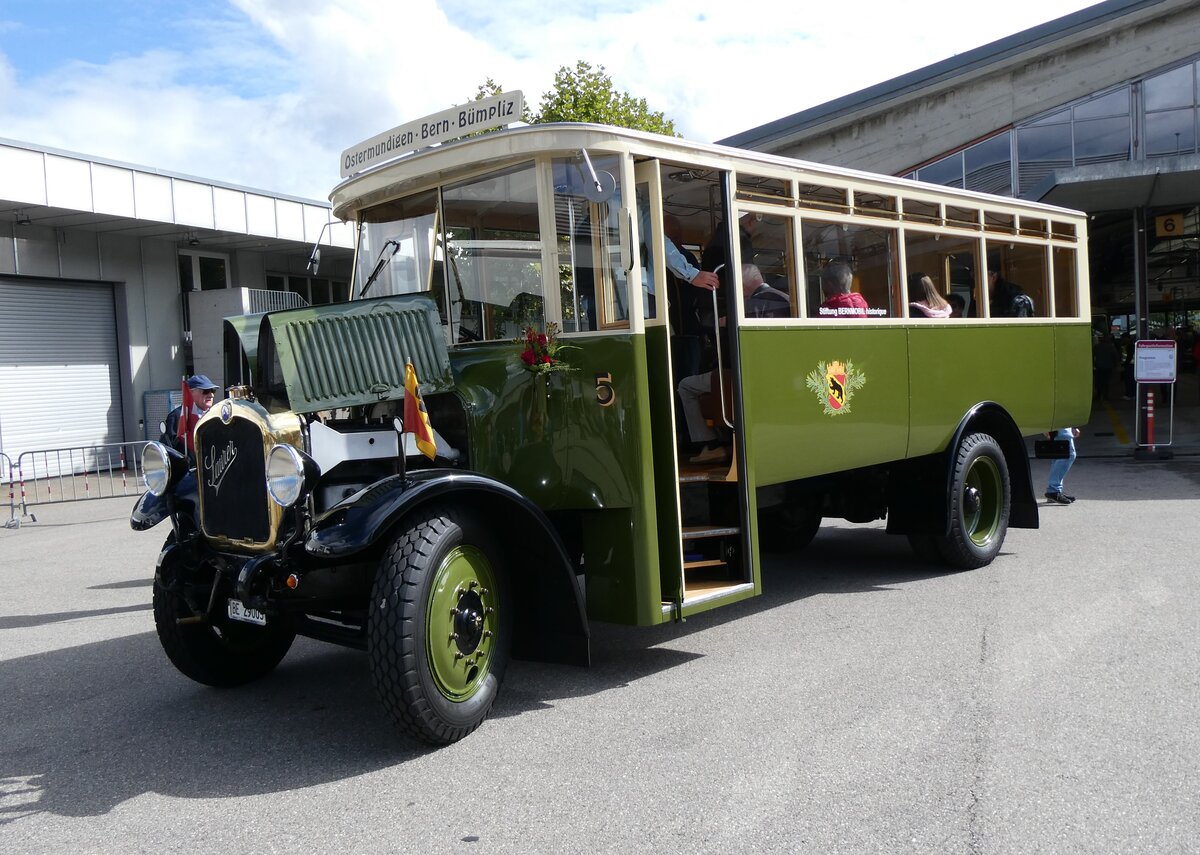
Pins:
x,y
238,611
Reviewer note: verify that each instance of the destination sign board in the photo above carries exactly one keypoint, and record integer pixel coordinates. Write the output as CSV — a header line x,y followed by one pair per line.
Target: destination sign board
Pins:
x,y
482,115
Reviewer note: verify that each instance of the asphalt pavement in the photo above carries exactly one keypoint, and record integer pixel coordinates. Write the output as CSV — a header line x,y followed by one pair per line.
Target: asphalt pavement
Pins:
x,y
865,703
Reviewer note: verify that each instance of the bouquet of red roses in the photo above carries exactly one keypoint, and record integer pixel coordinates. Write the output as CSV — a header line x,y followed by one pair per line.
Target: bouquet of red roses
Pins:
x,y
541,350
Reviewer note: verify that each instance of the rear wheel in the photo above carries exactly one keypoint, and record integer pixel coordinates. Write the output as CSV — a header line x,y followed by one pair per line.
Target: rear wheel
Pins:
x,y
979,504
439,626
208,646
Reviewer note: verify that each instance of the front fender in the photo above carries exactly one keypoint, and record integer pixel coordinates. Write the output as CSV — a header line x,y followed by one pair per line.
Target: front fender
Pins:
x,y
150,509
364,519
552,621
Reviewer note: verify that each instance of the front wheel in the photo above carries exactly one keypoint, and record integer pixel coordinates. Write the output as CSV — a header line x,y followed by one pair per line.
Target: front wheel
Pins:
x,y
208,646
439,627
979,504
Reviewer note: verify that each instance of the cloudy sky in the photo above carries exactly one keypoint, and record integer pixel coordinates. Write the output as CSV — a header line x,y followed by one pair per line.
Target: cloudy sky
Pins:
x,y
267,93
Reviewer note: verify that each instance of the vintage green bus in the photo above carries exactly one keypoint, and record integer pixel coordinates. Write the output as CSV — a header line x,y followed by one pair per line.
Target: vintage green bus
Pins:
x,y
572,490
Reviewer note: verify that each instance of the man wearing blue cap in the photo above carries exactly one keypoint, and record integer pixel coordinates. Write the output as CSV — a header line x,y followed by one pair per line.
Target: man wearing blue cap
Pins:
x,y
202,393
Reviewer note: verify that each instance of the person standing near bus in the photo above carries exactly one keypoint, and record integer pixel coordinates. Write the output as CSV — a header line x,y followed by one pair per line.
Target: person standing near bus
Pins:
x,y
1060,467
840,301
202,392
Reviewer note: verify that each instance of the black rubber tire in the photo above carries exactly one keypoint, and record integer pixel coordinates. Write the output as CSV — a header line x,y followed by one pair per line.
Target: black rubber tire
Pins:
x,y
403,669
980,503
789,527
218,651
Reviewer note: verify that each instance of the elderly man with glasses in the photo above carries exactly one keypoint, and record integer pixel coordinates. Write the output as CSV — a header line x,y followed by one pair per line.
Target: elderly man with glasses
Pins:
x,y
202,392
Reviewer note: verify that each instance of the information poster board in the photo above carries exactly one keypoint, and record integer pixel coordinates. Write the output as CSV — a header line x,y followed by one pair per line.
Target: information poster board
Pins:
x,y
1154,361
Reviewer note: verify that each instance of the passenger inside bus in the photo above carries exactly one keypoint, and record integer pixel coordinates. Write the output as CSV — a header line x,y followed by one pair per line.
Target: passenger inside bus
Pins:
x,y
928,302
957,304
710,443
685,305
1009,300
716,255
840,301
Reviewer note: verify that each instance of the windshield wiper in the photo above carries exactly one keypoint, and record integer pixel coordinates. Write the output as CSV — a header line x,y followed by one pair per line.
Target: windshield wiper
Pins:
x,y
395,246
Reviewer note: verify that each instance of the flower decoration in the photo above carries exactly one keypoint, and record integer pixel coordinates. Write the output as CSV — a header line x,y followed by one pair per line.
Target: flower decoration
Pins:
x,y
541,350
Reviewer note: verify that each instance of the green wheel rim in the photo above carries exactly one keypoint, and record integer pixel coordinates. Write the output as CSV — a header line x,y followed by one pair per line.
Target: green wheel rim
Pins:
x,y
982,501
461,623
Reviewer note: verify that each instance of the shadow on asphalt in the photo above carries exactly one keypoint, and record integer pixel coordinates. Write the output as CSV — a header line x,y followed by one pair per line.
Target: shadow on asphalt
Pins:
x,y
90,727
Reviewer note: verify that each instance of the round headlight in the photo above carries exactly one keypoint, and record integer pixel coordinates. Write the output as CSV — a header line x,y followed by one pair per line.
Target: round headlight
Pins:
x,y
156,468
285,475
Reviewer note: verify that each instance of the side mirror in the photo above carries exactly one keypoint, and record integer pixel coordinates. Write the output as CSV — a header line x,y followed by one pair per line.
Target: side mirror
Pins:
x,y
602,189
314,260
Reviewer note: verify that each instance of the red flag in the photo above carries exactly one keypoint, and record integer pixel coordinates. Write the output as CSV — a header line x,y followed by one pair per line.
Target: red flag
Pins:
x,y
185,415
416,419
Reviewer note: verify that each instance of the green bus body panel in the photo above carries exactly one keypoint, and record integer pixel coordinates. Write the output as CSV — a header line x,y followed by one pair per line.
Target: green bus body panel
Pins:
x,y
792,437
961,366
917,383
1073,375
547,436
351,354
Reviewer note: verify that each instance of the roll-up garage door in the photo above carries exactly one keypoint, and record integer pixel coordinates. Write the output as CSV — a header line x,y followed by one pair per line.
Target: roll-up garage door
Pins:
x,y
59,373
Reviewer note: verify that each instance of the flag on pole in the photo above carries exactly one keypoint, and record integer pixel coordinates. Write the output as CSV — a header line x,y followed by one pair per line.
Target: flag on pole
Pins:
x,y
416,419
185,414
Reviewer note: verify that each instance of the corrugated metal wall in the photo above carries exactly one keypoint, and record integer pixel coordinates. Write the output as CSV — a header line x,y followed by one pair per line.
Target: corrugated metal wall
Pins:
x,y
59,382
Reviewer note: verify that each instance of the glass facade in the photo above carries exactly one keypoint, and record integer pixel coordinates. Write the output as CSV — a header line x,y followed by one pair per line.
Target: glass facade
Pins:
x,y
1154,116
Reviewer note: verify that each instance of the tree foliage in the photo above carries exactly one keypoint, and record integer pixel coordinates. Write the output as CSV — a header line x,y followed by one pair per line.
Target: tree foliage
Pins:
x,y
587,94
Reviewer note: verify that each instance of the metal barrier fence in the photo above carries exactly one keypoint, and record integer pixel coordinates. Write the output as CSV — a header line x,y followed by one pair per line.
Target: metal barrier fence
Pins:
x,y
53,475
6,475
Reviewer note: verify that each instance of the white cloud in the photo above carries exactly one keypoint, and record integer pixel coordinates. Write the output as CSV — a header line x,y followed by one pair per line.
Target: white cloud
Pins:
x,y
272,105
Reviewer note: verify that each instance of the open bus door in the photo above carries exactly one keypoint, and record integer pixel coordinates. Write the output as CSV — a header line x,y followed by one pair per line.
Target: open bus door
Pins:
x,y
703,510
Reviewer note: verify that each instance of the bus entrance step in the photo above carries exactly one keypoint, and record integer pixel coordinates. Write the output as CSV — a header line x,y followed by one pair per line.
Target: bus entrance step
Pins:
x,y
696,532
692,474
692,565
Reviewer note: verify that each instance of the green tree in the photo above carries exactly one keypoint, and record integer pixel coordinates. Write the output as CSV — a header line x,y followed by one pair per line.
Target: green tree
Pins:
x,y
586,94
489,88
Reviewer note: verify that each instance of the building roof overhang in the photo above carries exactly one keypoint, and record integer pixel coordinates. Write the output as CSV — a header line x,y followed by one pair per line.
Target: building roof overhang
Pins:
x,y
49,188
1124,185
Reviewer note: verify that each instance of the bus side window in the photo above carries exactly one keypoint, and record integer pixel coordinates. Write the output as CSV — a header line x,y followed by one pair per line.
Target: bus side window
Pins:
x,y
871,254
494,254
951,262
592,282
1020,284
775,258
1066,303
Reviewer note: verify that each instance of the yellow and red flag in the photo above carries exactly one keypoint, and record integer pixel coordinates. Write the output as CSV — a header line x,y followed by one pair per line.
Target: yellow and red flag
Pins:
x,y
416,419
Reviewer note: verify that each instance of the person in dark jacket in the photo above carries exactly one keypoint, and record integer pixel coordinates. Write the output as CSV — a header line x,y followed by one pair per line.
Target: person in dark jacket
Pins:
x,y
1008,299
202,392
761,301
